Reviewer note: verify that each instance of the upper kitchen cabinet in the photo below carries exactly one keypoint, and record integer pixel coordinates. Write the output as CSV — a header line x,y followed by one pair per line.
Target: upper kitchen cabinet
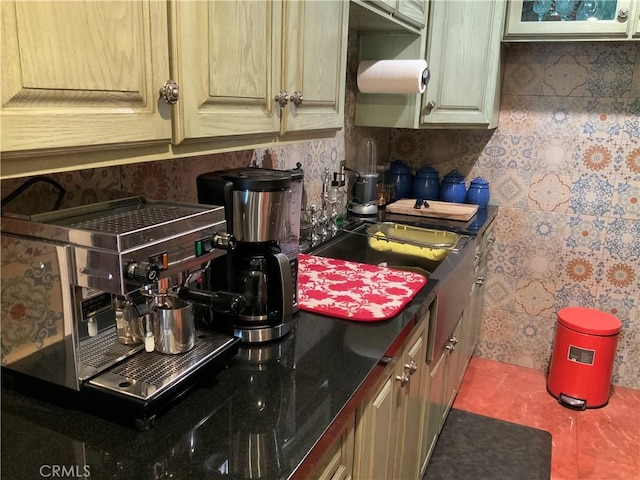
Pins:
x,y
258,67
561,20
462,48
463,54
89,84
83,74
388,15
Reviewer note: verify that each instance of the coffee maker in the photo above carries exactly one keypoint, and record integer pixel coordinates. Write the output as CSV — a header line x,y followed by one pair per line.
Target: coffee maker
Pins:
x,y
262,209
80,286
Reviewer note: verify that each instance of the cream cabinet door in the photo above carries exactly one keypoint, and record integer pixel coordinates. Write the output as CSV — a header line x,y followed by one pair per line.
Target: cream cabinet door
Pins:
x,y
414,11
464,61
315,56
376,434
83,73
414,402
228,65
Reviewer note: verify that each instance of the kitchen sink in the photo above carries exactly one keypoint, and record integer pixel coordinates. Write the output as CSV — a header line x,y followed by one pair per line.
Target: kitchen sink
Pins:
x,y
394,245
443,256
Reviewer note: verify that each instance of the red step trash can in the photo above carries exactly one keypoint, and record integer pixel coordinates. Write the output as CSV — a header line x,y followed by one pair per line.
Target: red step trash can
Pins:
x,y
582,358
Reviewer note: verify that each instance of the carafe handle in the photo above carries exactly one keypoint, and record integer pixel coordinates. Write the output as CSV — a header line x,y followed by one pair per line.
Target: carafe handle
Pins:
x,y
218,301
284,270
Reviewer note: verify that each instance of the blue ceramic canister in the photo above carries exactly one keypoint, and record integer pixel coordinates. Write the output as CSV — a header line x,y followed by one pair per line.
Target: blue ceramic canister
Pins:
x,y
478,193
399,175
426,184
453,188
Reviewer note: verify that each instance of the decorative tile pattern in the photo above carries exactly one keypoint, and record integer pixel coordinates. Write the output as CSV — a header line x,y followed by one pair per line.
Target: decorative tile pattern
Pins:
x,y
554,154
631,128
626,200
560,116
620,306
538,261
601,80
623,238
585,234
513,152
509,188
534,298
518,114
549,192
500,291
566,76
591,195
596,155
603,118
630,159
504,259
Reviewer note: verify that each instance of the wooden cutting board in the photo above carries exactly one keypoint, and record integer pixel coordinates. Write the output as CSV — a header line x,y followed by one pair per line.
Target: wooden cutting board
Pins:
x,y
452,211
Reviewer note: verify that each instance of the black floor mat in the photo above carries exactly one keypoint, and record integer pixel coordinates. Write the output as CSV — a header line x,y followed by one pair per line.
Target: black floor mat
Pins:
x,y
475,447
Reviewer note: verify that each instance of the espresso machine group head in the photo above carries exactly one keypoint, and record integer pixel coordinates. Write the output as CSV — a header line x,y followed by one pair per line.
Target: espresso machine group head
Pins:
x,y
262,209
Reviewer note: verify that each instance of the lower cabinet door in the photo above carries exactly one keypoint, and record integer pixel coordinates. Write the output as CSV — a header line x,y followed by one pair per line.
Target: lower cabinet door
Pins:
x,y
435,405
375,438
337,461
412,404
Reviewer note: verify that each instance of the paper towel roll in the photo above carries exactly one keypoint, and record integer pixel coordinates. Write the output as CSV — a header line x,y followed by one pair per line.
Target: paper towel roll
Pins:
x,y
392,76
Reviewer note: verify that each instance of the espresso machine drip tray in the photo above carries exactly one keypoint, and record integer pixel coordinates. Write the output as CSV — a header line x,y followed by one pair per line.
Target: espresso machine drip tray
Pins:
x,y
148,375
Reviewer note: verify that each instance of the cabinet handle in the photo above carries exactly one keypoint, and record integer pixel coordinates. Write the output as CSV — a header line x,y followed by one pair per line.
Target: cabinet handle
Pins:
x,y
296,98
480,280
623,14
430,106
281,98
454,340
451,347
170,92
412,366
403,379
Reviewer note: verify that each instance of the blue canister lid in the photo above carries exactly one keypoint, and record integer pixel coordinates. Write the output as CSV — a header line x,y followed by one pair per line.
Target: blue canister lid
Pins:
x,y
479,182
427,171
453,176
399,167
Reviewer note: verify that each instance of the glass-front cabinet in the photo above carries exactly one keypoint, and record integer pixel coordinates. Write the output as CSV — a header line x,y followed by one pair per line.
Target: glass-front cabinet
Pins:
x,y
553,20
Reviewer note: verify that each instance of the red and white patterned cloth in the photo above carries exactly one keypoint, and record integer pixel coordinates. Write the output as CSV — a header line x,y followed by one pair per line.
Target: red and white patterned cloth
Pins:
x,y
354,291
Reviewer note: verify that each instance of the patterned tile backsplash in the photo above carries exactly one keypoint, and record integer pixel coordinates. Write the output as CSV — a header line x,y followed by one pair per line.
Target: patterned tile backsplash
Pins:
x,y
564,167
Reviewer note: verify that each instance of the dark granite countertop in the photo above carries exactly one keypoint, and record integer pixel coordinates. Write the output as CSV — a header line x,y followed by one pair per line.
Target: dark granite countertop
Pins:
x,y
259,418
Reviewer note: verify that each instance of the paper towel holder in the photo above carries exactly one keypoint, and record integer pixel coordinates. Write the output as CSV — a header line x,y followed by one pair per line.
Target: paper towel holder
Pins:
x,y
387,76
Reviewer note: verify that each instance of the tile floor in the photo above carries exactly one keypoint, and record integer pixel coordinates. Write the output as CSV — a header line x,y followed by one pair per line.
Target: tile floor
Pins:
x,y
595,444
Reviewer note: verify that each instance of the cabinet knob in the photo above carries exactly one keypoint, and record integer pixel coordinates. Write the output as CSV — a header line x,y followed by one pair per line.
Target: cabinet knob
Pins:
x,y
403,379
623,14
412,366
480,280
170,92
430,106
281,98
296,98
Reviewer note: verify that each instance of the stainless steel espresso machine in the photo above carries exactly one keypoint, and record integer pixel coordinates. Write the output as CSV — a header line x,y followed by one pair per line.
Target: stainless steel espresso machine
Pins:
x,y
97,301
262,208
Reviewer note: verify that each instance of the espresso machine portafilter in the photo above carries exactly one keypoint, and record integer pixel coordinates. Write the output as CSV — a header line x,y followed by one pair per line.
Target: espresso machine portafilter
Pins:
x,y
102,276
